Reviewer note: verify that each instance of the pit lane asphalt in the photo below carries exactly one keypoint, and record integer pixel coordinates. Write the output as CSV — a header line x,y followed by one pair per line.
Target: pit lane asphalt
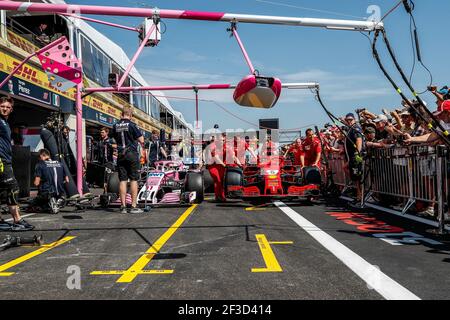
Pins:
x,y
212,254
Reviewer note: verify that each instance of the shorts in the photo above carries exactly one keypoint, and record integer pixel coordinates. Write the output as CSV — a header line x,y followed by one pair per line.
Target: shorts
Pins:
x,y
128,166
9,188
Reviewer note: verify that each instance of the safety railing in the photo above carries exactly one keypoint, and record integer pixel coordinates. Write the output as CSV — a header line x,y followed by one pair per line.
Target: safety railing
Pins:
x,y
404,176
338,169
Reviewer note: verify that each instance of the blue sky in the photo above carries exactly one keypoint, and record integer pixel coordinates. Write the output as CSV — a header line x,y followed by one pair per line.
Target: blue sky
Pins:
x,y
341,61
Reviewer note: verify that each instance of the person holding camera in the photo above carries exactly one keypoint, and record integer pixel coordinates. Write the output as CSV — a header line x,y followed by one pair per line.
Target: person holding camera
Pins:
x,y
128,136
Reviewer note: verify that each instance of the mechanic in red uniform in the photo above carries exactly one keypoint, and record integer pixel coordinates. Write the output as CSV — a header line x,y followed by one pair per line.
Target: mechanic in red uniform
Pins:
x,y
218,150
297,150
312,150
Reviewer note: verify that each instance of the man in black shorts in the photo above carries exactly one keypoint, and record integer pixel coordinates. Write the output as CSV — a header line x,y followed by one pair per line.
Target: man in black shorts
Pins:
x,y
9,188
353,150
128,136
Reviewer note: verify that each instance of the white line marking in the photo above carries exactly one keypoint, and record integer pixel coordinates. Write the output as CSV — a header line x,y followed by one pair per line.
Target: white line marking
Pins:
x,y
27,215
383,284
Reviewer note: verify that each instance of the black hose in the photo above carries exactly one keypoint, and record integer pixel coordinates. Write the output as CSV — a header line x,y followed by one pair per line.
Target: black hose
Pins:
x,y
405,79
444,133
334,119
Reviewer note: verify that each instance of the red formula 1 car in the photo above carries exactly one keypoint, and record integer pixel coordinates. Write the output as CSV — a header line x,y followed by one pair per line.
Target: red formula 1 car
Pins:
x,y
273,179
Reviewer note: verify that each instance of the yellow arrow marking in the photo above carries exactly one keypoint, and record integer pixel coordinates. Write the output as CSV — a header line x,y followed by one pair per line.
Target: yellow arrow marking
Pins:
x,y
30,255
137,268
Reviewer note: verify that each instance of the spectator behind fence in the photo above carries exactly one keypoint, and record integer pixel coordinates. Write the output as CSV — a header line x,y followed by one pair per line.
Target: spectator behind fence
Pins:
x,y
443,115
371,142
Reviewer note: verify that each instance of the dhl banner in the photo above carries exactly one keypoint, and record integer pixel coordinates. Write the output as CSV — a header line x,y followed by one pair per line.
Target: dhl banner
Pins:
x,y
21,42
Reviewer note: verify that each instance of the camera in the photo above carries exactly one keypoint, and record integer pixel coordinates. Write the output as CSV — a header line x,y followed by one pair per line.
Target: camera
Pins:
x,y
360,110
431,88
328,125
401,140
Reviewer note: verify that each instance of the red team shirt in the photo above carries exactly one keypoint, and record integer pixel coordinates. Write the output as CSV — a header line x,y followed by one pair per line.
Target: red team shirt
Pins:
x,y
311,148
297,151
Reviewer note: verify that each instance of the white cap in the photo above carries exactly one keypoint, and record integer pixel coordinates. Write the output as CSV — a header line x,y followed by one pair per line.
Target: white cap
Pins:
x,y
380,118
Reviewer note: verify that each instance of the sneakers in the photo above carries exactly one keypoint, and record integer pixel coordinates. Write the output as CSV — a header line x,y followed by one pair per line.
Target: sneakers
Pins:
x,y
22,225
427,213
54,208
5,226
446,218
61,202
123,210
136,210
356,204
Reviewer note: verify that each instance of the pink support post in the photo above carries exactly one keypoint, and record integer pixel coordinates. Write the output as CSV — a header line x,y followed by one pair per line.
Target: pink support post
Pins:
x,y
136,55
244,52
79,136
196,106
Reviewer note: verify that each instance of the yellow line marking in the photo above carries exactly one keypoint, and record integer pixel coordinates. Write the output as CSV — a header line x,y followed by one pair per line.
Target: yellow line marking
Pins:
x,y
121,272
281,242
30,255
254,209
137,268
271,261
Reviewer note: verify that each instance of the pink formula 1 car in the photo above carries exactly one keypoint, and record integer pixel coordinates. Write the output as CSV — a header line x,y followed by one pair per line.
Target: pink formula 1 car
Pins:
x,y
171,182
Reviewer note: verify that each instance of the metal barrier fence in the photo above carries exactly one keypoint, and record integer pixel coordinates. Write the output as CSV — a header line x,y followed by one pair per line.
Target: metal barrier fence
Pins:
x,y
402,176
